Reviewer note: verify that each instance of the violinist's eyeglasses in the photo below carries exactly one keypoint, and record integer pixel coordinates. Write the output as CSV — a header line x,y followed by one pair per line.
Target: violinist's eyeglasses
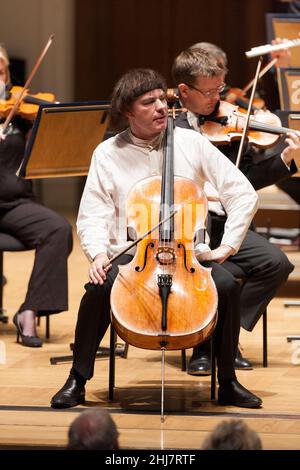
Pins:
x,y
209,93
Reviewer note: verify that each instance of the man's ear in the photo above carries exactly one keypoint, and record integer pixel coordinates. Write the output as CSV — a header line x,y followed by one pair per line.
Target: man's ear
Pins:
x,y
127,113
183,90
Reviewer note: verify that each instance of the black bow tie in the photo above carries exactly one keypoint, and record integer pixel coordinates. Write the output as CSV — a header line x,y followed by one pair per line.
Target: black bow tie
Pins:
x,y
219,119
213,117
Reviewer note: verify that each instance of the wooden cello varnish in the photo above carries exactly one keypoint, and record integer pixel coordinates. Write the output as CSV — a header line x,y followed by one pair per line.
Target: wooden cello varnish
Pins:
x,y
164,299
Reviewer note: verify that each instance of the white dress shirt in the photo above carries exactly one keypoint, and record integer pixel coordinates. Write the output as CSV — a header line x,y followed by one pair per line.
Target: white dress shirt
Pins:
x,y
123,160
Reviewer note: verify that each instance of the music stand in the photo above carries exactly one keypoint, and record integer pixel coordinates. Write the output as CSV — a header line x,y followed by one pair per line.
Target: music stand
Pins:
x,y
63,139
291,119
289,88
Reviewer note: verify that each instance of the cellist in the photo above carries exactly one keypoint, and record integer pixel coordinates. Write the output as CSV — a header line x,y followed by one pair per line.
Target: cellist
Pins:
x,y
117,165
200,77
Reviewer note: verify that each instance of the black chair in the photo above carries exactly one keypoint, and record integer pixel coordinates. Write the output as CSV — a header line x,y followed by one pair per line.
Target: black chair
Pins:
x,y
10,243
292,303
112,357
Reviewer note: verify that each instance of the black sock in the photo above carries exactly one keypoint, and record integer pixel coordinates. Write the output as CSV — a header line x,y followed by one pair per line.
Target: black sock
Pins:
x,y
226,382
75,375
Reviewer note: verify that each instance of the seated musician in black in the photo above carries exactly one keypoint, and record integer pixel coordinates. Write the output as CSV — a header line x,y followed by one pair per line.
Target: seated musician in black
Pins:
x,y
200,81
254,155
36,226
118,164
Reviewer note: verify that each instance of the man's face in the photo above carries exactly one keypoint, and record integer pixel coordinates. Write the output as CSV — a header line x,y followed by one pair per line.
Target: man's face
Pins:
x,y
203,95
148,114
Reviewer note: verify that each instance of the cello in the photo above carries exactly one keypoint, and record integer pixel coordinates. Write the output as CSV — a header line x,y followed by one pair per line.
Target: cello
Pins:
x,y
164,299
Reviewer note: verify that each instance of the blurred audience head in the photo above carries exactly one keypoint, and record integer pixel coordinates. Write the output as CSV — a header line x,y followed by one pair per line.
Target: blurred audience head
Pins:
x,y
232,435
94,429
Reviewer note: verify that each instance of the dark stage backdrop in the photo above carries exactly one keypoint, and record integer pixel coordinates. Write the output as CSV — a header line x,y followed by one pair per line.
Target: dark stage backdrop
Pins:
x,y
112,36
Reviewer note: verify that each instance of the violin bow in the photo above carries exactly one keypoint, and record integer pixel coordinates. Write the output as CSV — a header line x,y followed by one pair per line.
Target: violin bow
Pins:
x,y
28,81
239,155
267,67
140,239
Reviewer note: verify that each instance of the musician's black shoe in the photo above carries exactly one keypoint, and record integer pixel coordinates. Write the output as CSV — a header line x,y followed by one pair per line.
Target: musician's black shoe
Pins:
x,y
71,394
200,364
233,393
241,363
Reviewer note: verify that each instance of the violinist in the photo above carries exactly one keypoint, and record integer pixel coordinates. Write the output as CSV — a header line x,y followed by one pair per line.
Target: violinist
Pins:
x,y
200,79
117,165
36,226
255,157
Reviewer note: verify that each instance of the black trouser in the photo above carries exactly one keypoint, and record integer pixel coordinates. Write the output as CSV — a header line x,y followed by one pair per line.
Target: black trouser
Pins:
x,y
265,266
50,235
94,319
292,187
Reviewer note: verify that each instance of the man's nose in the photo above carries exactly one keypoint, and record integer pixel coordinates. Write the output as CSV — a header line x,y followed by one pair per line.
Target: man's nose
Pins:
x,y
160,104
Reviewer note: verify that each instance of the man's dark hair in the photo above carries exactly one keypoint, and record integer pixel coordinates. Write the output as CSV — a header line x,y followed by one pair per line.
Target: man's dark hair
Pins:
x,y
232,435
134,83
94,429
192,62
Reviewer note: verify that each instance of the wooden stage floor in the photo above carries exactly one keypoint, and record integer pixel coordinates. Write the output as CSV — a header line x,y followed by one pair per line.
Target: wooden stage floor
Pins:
x,y
28,381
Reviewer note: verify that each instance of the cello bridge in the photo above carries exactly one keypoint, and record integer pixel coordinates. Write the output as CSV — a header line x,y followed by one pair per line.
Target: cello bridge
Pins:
x,y
165,255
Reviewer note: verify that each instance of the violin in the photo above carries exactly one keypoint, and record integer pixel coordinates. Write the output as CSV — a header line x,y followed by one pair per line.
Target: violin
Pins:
x,y
228,124
29,105
164,299
14,108
237,96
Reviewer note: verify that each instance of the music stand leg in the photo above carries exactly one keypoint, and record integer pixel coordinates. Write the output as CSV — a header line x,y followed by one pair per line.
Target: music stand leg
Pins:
x,y
102,352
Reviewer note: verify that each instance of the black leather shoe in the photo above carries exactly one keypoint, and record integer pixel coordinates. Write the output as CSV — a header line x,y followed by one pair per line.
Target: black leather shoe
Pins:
x,y
241,363
199,365
72,394
233,393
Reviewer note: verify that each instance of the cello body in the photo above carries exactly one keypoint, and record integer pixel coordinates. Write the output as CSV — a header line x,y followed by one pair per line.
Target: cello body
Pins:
x,y
191,304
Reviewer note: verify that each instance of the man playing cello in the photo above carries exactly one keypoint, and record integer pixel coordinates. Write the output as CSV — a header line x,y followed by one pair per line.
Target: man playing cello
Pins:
x,y
117,165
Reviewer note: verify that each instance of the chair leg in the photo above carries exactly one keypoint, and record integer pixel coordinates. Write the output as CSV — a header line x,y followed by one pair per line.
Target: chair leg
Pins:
x,y
112,357
47,326
47,329
265,340
183,360
1,281
3,317
125,352
213,370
